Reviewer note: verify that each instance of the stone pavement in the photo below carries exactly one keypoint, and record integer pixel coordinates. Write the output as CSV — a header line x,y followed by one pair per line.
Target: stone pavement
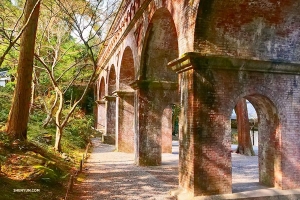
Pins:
x,y
113,175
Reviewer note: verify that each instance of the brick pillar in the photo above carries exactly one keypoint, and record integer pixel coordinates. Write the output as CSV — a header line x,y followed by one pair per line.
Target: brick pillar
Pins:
x,y
166,130
125,121
204,132
101,113
110,129
152,97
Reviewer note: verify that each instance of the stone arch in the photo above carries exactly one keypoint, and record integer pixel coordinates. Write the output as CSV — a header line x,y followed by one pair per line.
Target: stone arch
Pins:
x,y
157,87
101,112
127,72
269,154
125,104
101,92
239,29
161,47
110,105
210,88
112,80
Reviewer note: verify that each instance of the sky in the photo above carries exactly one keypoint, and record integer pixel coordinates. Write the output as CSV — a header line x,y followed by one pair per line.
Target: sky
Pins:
x,y
251,112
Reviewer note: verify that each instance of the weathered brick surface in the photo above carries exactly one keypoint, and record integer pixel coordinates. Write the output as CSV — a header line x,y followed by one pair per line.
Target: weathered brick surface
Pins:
x,y
110,127
101,117
210,89
125,122
266,29
148,34
166,130
154,99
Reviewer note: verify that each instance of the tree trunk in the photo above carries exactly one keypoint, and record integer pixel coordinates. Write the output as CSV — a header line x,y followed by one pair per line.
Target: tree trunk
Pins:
x,y
57,145
33,87
19,113
244,139
59,126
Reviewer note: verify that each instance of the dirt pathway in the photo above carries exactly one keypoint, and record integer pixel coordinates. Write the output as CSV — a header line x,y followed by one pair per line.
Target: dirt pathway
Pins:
x,y
113,175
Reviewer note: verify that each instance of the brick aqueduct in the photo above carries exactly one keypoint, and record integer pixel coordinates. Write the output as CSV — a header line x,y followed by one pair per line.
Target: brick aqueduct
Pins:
x,y
203,55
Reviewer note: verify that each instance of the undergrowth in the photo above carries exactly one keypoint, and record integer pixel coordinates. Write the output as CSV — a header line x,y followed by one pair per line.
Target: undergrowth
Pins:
x,y
40,144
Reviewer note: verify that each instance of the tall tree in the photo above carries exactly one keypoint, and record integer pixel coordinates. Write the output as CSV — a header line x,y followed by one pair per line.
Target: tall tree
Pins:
x,y
71,61
244,139
19,113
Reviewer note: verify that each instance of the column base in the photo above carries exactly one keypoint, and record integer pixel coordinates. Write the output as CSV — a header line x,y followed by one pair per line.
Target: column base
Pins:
x,y
108,139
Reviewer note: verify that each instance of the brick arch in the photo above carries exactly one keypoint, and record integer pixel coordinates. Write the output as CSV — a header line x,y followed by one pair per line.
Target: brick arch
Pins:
x,y
157,87
266,30
101,90
112,80
125,104
100,109
210,88
127,71
160,47
269,130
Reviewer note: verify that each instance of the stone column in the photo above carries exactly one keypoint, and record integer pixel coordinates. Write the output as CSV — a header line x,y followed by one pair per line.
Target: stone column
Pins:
x,y
152,97
125,121
166,130
110,129
101,116
204,153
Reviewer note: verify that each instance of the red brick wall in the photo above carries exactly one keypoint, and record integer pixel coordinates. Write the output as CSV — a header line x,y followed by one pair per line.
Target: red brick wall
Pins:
x,y
154,97
125,121
266,29
209,92
101,116
110,120
166,130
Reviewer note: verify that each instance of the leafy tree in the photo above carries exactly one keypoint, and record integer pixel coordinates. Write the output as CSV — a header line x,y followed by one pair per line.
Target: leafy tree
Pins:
x,y
67,55
11,28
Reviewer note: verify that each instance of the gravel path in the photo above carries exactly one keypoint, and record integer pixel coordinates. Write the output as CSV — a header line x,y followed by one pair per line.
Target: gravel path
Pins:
x,y
113,175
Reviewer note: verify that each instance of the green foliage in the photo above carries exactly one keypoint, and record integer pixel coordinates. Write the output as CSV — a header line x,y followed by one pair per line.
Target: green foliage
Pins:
x,y
73,93
46,174
77,132
6,94
4,139
175,119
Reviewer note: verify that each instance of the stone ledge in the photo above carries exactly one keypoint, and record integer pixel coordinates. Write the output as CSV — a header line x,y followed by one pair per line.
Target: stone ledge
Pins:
x,y
193,60
159,85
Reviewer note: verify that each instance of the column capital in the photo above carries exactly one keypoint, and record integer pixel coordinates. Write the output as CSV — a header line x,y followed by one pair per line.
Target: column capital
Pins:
x,y
109,98
100,101
121,93
194,60
159,85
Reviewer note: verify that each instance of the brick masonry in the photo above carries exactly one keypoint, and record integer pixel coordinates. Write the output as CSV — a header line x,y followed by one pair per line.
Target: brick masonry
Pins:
x,y
240,49
210,88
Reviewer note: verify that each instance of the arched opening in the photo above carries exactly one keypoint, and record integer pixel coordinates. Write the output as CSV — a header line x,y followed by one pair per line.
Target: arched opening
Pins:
x,y
101,113
169,135
127,75
110,101
157,88
125,104
252,172
101,89
161,48
112,80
